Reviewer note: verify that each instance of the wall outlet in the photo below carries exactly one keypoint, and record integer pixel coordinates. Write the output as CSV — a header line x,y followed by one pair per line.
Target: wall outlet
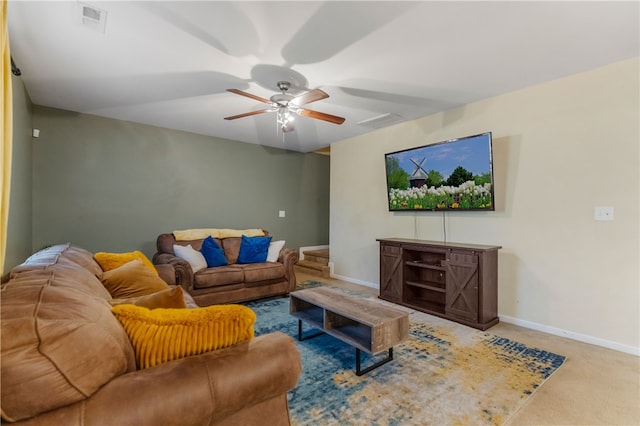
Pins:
x,y
603,213
281,213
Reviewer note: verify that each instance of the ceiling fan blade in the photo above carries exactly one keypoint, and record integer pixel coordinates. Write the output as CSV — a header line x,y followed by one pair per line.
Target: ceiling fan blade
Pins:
x,y
308,97
321,116
249,95
248,114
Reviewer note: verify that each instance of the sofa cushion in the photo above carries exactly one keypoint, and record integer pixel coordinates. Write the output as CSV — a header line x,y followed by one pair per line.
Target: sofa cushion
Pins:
x,y
268,271
60,254
165,242
162,335
229,233
223,275
68,276
59,341
213,253
169,298
167,272
253,249
231,247
131,280
109,261
82,258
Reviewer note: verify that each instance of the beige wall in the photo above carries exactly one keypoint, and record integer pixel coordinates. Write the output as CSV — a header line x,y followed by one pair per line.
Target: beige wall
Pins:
x,y
560,149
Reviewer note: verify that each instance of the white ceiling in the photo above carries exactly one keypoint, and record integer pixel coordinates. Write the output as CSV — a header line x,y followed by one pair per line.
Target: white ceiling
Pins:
x,y
169,63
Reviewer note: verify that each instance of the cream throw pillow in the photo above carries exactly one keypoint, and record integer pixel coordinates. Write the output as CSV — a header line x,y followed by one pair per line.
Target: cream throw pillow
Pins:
x,y
274,250
191,255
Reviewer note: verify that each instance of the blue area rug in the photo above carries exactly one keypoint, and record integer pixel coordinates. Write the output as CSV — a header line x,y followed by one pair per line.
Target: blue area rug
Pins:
x,y
444,374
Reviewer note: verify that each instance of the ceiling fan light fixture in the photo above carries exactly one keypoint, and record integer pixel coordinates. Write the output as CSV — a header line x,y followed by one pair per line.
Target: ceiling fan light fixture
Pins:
x,y
284,117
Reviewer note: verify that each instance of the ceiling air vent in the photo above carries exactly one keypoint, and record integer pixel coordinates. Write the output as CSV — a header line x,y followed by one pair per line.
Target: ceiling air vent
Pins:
x,y
92,17
381,121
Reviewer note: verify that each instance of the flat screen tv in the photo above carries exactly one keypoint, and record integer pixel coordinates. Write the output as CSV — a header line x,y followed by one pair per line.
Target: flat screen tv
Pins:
x,y
456,174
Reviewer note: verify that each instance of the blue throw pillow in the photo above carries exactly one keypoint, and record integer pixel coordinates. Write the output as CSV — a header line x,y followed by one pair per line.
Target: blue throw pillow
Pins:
x,y
253,249
213,253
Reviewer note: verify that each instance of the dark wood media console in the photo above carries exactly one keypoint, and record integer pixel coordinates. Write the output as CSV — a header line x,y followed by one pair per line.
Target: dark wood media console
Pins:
x,y
455,281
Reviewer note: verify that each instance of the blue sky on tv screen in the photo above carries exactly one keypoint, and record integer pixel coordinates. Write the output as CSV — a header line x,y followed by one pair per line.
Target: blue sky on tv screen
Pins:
x,y
471,153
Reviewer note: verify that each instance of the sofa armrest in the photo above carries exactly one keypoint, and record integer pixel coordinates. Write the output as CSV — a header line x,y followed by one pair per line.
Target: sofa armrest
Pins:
x,y
196,390
183,271
167,272
288,257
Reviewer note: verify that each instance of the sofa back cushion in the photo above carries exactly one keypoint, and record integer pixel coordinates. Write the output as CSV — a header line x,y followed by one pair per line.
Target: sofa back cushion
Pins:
x,y
165,242
60,341
61,254
231,245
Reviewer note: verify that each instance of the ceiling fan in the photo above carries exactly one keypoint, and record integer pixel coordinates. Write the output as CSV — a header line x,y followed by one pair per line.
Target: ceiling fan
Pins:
x,y
284,104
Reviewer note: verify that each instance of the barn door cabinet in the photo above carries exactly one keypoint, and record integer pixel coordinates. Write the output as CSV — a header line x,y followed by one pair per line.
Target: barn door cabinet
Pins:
x,y
455,281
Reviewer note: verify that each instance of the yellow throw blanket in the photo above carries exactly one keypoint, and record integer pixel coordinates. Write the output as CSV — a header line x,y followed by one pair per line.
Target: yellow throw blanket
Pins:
x,y
196,234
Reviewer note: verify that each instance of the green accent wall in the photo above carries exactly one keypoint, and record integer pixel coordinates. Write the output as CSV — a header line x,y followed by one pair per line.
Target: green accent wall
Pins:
x,y
20,202
111,185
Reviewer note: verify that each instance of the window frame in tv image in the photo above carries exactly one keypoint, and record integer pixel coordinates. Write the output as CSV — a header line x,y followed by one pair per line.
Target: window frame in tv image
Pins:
x,y
426,164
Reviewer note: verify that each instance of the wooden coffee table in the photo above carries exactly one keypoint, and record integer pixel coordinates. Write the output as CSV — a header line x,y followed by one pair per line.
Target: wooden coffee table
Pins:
x,y
363,324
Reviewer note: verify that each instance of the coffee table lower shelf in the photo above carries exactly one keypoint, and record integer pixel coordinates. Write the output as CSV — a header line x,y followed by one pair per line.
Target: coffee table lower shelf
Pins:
x,y
359,370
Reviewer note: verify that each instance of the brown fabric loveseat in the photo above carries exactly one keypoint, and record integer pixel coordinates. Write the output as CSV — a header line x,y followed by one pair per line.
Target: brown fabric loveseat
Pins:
x,y
231,283
67,360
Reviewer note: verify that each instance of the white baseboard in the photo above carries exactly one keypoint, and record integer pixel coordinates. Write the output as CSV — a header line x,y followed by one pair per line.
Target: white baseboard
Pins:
x,y
302,249
632,350
352,280
572,335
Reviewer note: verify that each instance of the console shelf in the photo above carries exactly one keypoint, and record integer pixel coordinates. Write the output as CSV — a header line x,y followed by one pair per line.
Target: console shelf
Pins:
x,y
425,286
425,265
451,280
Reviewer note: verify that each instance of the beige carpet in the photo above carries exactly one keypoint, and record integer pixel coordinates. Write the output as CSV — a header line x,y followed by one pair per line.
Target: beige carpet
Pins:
x,y
444,373
595,386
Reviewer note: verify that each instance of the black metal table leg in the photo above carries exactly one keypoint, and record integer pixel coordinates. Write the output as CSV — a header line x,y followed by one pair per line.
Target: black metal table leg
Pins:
x,y
300,338
360,372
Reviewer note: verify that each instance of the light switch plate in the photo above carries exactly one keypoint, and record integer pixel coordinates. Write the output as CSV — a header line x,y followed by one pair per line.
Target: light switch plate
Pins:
x,y
281,213
603,213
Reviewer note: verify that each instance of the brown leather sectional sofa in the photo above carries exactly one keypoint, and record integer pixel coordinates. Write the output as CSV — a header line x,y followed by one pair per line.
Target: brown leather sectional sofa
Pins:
x,y
67,360
231,283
